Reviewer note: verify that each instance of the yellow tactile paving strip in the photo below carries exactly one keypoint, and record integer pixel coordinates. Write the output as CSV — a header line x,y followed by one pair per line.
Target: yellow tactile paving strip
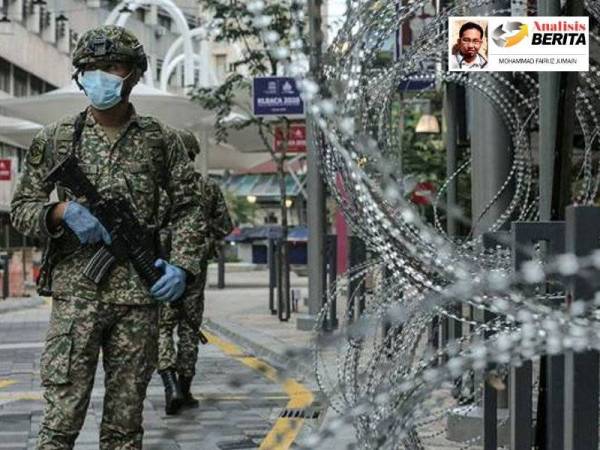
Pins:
x,y
285,430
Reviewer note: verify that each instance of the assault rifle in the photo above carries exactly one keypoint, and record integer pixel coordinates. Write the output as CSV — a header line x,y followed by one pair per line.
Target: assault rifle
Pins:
x,y
131,240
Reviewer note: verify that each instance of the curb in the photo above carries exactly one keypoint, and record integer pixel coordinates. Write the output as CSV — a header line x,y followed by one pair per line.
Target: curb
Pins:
x,y
277,353
20,303
289,362
258,349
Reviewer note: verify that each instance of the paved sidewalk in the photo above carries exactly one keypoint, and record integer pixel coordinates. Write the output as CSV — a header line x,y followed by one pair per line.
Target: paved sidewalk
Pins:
x,y
17,303
240,313
239,405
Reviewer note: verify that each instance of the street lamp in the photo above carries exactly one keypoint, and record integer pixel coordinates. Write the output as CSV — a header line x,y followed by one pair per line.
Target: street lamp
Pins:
x,y
251,199
427,123
289,202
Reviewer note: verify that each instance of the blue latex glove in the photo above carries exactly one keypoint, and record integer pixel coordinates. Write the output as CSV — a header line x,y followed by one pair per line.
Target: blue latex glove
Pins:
x,y
171,285
88,229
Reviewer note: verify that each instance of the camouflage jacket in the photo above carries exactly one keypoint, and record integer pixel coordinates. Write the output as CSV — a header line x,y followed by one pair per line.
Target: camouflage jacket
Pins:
x,y
145,158
218,220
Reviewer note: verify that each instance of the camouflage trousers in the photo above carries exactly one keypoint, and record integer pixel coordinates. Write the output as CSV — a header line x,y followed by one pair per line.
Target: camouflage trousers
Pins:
x,y
79,329
183,356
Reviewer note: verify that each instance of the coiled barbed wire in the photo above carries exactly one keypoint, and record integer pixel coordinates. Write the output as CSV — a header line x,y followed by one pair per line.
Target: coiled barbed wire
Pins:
x,y
384,374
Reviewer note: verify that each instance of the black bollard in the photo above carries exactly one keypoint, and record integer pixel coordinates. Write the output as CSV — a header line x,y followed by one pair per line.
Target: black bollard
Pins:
x,y
272,274
356,290
221,267
5,277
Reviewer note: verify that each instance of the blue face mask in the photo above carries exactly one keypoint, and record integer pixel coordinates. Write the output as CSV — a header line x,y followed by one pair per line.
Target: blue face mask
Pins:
x,y
102,88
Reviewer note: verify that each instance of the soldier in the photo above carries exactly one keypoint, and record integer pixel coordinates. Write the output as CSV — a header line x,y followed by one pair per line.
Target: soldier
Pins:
x,y
126,154
182,360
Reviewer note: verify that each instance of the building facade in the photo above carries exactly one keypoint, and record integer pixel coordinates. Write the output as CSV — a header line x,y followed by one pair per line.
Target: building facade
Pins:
x,y
36,39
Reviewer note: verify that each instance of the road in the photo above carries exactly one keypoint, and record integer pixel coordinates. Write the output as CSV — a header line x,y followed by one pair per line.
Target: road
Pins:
x,y
241,397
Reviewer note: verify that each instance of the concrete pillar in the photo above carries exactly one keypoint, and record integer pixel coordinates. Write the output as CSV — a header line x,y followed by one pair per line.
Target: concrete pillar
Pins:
x,y
63,36
32,21
15,10
491,151
492,156
49,32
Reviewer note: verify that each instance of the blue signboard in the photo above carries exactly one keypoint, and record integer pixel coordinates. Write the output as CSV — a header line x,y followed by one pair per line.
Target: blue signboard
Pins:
x,y
420,82
276,96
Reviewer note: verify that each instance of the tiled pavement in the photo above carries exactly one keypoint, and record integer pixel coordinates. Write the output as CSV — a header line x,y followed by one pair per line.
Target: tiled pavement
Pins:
x,y
238,405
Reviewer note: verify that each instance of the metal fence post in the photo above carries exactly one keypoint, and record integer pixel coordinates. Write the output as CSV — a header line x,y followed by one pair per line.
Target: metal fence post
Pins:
x,y
524,236
356,288
581,369
491,241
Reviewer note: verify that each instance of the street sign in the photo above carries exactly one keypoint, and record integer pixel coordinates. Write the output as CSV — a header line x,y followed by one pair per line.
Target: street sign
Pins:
x,y
296,138
423,193
418,82
5,169
276,96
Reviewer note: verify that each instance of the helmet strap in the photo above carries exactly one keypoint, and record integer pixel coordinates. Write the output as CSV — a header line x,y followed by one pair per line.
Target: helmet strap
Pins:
x,y
75,77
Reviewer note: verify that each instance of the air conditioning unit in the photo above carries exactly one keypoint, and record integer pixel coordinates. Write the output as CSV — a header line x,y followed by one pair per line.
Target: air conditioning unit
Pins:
x,y
160,31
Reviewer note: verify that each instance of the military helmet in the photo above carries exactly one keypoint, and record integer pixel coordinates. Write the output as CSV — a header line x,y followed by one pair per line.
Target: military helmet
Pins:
x,y
109,43
189,142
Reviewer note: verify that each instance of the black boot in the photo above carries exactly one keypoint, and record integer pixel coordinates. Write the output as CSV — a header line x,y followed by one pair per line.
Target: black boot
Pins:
x,y
173,396
188,400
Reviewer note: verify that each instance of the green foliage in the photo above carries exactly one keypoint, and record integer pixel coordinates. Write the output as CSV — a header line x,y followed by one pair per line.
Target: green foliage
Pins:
x,y
423,156
237,25
240,209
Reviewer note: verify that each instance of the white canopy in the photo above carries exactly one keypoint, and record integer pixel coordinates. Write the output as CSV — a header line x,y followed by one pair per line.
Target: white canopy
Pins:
x,y
174,110
246,140
224,156
17,132
177,111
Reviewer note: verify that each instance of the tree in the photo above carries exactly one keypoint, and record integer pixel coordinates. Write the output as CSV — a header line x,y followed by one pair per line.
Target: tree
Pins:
x,y
237,24
240,209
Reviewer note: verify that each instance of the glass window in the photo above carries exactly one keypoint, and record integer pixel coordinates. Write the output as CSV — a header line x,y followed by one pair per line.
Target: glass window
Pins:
x,y
21,84
159,64
37,85
165,21
4,75
221,66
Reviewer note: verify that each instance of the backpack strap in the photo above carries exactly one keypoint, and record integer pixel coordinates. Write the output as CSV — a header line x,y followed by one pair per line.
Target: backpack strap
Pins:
x,y
67,139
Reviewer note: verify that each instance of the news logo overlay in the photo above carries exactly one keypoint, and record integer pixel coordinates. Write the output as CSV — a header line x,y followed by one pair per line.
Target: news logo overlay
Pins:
x,y
527,44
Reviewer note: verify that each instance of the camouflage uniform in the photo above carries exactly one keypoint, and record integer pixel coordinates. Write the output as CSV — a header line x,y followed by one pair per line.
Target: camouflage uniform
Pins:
x,y
118,316
183,359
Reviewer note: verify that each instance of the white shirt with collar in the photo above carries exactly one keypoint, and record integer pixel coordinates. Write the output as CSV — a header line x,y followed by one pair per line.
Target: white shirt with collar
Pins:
x,y
458,62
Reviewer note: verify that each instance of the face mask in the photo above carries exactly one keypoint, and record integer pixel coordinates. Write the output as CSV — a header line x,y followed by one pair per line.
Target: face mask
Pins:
x,y
102,88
